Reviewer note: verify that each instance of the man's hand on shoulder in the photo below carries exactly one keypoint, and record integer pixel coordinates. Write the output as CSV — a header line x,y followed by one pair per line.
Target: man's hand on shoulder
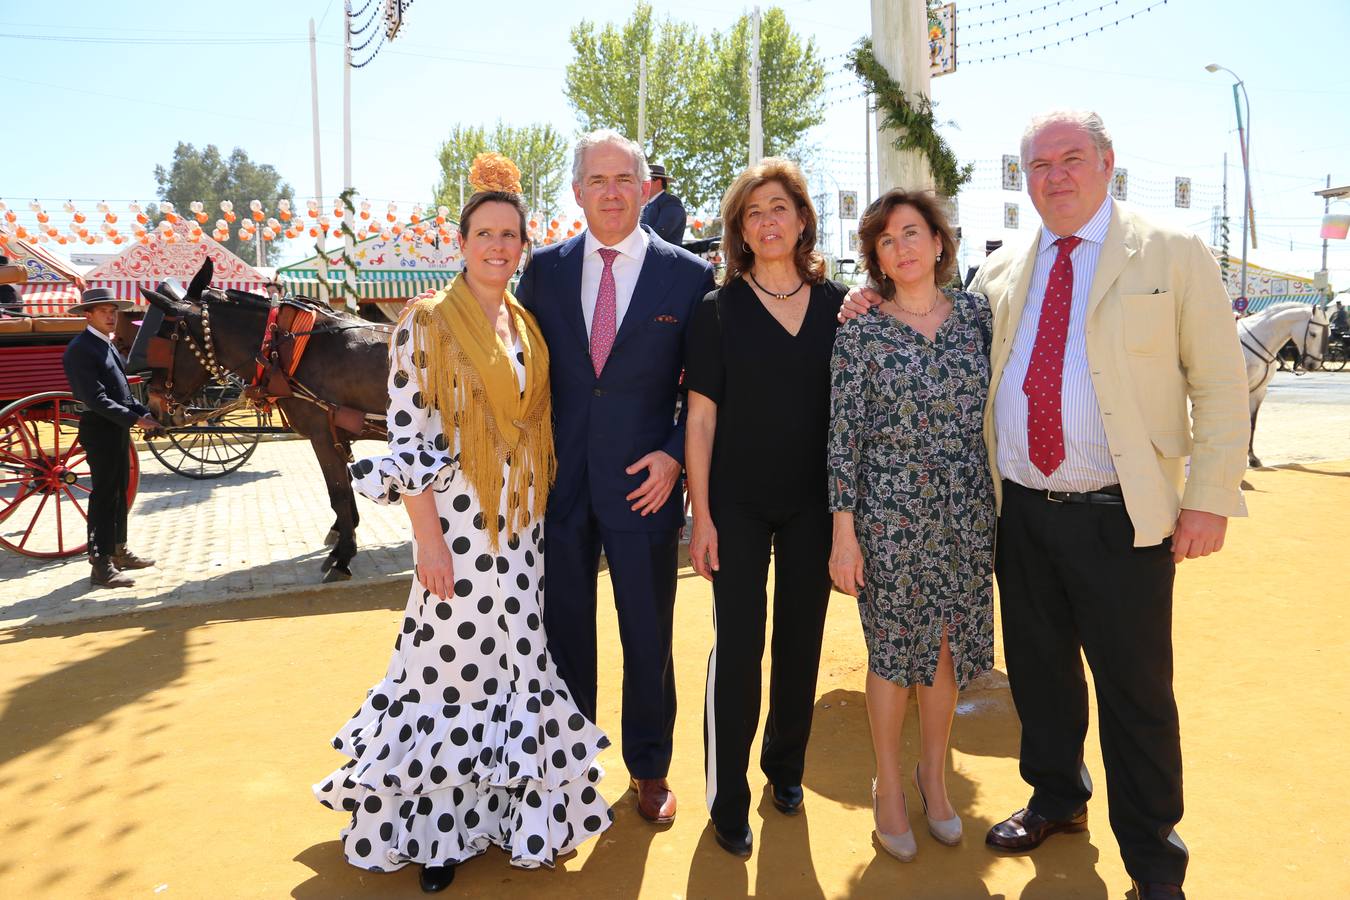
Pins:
x,y
1198,534
858,301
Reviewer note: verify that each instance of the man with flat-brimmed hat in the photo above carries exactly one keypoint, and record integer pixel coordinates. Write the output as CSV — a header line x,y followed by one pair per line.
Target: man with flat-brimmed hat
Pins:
x,y
94,370
664,213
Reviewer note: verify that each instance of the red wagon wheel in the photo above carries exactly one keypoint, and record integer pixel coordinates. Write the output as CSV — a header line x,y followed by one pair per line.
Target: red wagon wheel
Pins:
x,y
44,477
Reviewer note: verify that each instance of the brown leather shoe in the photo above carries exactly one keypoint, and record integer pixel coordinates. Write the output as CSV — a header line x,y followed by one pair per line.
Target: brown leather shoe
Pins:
x,y
655,801
104,574
1025,830
1157,890
124,559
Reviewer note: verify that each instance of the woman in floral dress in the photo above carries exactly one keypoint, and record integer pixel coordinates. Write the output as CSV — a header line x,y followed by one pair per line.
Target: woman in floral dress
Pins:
x,y
471,738
913,498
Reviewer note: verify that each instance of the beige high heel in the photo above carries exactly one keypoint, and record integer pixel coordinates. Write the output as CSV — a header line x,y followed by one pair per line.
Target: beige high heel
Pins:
x,y
902,846
947,831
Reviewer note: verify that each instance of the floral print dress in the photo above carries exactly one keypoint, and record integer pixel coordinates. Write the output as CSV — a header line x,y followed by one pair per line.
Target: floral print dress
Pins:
x,y
471,738
907,458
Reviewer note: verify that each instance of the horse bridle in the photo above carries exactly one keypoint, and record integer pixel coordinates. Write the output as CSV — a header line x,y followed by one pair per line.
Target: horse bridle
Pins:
x,y
1269,358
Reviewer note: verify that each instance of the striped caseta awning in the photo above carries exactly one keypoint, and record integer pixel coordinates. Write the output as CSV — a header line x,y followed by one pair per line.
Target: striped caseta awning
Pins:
x,y
378,284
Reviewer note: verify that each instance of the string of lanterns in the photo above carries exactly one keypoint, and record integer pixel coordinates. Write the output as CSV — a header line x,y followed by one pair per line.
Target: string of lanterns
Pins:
x,y
424,225
1066,40
984,23
1016,34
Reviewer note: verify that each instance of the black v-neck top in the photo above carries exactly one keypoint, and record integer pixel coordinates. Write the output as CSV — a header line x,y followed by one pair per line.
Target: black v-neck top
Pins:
x,y
772,391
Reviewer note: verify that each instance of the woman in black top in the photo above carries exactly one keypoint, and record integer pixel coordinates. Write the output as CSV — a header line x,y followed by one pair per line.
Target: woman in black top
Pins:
x,y
758,373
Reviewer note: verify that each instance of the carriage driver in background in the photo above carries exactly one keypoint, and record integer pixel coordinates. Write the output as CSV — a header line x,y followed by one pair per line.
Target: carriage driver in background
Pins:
x,y
94,370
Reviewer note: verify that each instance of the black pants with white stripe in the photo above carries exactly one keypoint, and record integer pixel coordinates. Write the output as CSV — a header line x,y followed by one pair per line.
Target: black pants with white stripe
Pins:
x,y
800,542
1072,584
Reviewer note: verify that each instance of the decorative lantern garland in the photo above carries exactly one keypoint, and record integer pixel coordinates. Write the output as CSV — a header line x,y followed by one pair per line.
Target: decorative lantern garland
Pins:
x,y
914,122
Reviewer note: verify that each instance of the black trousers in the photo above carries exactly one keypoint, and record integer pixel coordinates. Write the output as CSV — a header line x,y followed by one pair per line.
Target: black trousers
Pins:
x,y
642,568
1071,583
107,447
800,541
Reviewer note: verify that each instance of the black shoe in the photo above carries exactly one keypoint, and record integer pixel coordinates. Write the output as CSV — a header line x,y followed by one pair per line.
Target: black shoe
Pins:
x,y
737,841
436,878
788,798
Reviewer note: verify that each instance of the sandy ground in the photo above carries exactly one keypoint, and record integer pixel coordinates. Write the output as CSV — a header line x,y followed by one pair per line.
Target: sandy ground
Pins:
x,y
170,753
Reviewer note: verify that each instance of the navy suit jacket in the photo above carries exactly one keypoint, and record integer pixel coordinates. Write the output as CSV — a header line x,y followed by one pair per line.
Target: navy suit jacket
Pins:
x,y
665,215
604,424
94,370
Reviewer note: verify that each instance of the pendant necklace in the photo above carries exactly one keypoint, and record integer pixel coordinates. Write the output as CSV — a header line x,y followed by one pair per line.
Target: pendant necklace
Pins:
x,y
774,294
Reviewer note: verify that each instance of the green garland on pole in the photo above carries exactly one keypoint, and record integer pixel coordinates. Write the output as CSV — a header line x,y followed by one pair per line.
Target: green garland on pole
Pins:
x,y
913,121
339,292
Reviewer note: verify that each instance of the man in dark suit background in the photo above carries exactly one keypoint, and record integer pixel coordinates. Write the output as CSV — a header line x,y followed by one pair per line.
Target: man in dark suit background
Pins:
x,y
614,304
664,212
94,370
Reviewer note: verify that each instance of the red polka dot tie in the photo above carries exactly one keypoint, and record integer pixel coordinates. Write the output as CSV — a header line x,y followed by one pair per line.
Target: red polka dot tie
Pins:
x,y
1044,382
604,322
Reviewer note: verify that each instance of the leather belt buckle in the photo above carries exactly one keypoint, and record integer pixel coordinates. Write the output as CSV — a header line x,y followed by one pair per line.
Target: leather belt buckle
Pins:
x,y
1051,496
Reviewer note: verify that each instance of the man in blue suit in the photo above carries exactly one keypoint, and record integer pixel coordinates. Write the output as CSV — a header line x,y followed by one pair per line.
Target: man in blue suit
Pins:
x,y
614,304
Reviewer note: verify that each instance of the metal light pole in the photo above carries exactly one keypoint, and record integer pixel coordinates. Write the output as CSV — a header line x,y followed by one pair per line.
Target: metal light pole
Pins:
x,y
1244,140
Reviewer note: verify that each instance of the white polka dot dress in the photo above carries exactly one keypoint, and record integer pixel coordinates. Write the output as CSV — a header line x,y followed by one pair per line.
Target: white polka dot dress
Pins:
x,y
471,738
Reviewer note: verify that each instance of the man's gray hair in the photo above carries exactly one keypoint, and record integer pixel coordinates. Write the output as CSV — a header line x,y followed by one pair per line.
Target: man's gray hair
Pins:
x,y
609,136
1085,119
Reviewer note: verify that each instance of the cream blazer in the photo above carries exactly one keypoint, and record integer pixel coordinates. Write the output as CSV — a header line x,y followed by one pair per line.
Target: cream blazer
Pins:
x,y
1159,331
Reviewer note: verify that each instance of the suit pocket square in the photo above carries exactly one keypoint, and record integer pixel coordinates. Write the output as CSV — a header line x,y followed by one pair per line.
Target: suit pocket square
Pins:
x,y
667,320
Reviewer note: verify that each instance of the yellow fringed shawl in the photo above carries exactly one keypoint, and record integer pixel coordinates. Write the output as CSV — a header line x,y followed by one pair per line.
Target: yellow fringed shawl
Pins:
x,y
470,379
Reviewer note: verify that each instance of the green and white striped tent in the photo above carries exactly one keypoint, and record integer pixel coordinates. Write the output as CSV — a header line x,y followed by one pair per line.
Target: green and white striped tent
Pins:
x,y
370,285
386,270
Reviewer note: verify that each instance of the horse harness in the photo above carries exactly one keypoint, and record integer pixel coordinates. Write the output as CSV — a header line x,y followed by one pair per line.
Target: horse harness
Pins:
x,y
290,324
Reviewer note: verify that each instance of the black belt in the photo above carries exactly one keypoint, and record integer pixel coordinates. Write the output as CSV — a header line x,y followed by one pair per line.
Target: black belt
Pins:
x,y
1110,495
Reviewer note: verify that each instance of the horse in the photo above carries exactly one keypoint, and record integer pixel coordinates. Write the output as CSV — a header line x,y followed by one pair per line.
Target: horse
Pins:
x,y
1263,334
212,334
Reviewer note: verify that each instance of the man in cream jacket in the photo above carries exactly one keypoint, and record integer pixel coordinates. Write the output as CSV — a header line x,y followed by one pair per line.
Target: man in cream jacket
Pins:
x,y
1114,360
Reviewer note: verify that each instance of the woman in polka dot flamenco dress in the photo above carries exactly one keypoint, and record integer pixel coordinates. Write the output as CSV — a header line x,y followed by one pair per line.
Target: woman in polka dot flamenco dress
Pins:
x,y
471,738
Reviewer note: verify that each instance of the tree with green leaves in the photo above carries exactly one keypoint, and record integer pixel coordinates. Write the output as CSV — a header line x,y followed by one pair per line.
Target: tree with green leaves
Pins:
x,y
698,93
208,176
539,150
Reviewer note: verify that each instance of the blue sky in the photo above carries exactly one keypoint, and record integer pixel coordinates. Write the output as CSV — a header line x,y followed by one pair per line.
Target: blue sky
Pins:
x,y
98,93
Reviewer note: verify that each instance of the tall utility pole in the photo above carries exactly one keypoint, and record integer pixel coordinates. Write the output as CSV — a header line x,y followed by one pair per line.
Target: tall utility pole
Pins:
x,y
867,148
756,123
318,168
642,102
900,43
348,245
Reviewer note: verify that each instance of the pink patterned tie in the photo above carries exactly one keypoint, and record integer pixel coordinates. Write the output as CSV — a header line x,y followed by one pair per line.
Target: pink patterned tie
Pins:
x,y
604,322
1044,382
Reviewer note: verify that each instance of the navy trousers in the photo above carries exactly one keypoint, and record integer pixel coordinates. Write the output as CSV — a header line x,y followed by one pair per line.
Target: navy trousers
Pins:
x,y
642,568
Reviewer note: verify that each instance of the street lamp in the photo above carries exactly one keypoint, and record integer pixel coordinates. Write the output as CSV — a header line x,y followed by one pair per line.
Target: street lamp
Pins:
x,y
1244,139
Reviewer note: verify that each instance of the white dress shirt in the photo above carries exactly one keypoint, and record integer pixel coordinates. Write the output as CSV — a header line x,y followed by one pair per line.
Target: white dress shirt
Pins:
x,y
627,265
1087,462
92,329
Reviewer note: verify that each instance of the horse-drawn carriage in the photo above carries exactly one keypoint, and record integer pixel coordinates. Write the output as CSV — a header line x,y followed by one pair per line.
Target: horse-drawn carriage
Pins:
x,y
44,473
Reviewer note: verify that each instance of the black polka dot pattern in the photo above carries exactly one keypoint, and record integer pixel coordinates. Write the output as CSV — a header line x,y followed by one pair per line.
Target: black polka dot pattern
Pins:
x,y
469,740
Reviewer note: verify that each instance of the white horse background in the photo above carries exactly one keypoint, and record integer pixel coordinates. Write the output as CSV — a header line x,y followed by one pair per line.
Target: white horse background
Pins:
x,y
1262,336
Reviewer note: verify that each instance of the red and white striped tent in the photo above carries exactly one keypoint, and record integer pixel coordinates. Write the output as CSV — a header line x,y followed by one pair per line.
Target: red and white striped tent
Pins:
x,y
53,284
146,265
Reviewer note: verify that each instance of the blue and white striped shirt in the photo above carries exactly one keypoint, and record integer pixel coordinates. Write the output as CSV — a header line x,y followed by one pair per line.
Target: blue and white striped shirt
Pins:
x,y
1087,462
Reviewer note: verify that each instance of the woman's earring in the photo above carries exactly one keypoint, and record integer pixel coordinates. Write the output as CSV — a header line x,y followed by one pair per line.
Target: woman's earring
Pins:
x,y
746,248
939,257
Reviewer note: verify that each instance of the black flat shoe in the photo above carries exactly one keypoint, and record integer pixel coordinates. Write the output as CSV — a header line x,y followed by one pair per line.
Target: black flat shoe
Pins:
x,y
788,798
436,878
738,841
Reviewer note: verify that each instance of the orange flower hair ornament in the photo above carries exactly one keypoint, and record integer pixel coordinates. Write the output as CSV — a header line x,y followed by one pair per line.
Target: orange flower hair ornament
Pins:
x,y
494,172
